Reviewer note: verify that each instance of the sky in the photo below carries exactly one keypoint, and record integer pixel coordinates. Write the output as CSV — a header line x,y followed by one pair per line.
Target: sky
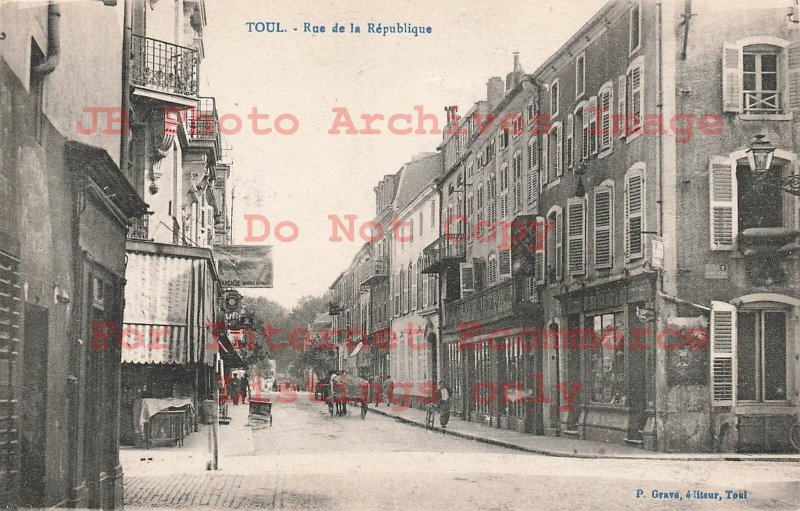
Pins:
x,y
306,176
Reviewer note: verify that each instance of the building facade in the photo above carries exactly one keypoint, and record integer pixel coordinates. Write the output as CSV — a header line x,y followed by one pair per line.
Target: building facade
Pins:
x,y
65,204
414,338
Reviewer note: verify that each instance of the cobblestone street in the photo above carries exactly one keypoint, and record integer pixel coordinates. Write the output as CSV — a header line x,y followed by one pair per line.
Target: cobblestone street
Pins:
x,y
309,460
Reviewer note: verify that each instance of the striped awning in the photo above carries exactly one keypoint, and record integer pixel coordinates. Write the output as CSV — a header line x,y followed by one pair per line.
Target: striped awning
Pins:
x,y
169,309
156,344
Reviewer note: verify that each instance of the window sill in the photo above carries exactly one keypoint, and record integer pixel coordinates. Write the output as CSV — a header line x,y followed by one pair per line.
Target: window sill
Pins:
x,y
553,184
605,153
633,136
764,408
766,117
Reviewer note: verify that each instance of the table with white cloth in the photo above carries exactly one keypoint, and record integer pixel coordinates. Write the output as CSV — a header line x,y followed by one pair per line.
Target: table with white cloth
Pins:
x,y
168,419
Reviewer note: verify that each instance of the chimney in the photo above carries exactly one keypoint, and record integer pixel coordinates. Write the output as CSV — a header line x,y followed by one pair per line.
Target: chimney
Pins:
x,y
516,62
494,91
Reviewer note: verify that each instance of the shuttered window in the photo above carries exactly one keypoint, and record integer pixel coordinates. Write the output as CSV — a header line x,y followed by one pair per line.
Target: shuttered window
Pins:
x,y
605,100
585,134
539,253
576,243
723,347
545,175
467,276
593,133
504,262
492,269
555,242
570,144
634,213
622,109
533,171
603,227
634,102
724,215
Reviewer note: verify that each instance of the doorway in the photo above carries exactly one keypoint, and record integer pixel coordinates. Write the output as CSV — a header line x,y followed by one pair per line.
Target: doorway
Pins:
x,y
33,405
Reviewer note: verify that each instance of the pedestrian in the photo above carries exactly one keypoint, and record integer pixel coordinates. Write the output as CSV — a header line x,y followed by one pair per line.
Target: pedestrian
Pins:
x,y
444,404
245,387
233,390
388,390
376,389
343,375
333,386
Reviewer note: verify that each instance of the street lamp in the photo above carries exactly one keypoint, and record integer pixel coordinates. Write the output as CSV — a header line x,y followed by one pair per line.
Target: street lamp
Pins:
x,y
759,156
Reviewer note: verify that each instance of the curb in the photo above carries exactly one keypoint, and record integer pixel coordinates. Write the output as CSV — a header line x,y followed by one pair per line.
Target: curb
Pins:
x,y
785,458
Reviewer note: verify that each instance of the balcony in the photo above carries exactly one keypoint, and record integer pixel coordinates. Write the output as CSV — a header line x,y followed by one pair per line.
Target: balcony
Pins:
x,y
202,127
443,252
164,70
375,271
139,229
506,299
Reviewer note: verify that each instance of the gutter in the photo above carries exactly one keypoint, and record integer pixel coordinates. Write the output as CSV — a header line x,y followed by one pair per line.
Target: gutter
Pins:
x,y
53,42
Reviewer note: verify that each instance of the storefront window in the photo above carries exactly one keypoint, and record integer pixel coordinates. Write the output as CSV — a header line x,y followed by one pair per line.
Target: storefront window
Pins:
x,y
608,361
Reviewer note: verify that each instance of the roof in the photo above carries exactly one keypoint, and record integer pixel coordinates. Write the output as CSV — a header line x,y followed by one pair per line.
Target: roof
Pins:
x,y
416,175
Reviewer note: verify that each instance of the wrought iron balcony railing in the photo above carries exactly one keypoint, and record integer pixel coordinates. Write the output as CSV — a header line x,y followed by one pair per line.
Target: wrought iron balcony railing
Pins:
x,y
441,252
139,229
202,124
163,66
375,270
494,303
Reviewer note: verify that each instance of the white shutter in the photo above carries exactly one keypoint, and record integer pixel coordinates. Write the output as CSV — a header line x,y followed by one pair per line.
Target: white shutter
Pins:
x,y
576,242
606,109
634,214
636,99
793,67
504,262
559,245
603,225
541,238
559,151
570,141
413,298
724,215
467,274
723,348
533,185
732,78
545,177
622,108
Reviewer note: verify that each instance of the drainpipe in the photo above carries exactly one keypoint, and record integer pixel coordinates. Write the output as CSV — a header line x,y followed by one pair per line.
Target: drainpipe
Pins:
x,y
53,42
125,99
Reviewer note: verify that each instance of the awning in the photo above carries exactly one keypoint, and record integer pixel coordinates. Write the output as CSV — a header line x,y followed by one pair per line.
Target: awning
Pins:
x,y
169,308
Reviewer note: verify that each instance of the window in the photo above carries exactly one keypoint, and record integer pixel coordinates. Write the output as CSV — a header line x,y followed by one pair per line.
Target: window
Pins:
x,y
533,171
554,99
759,196
742,199
409,288
605,100
503,138
761,355
608,363
517,166
634,100
635,32
760,79
576,242
570,146
603,226
420,286
470,216
504,177
530,111
580,75
556,151
753,77
504,263
592,115
634,211
467,279
433,214
581,123
492,269
554,236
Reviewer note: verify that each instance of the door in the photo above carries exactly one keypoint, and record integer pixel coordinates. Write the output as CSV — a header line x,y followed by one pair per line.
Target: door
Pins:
x,y
34,411
533,405
637,378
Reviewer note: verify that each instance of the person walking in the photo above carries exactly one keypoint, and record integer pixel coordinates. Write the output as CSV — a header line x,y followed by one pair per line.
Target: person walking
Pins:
x,y
245,388
233,390
444,404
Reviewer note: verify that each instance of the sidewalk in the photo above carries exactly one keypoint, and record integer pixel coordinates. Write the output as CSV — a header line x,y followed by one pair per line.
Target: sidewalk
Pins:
x,y
562,446
235,439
